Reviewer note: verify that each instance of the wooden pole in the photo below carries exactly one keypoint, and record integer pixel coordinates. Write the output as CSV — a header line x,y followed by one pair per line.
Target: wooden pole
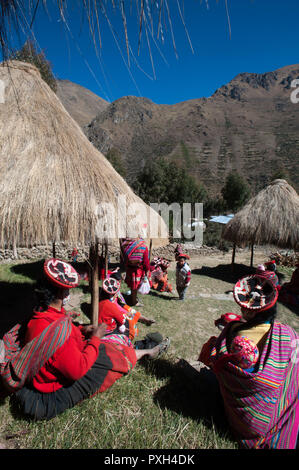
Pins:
x,y
120,253
251,258
94,283
106,258
54,250
14,249
234,254
150,249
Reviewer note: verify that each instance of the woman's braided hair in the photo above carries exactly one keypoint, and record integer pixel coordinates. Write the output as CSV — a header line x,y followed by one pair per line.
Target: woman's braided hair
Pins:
x,y
46,293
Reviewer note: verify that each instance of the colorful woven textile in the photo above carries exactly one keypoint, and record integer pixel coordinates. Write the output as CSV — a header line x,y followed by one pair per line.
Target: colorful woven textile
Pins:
x,y
117,339
262,407
133,251
113,361
22,364
269,275
131,315
245,350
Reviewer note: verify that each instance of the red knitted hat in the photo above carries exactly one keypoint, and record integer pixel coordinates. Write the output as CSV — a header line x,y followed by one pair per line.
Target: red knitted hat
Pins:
x,y
61,273
111,285
183,255
271,262
255,293
227,318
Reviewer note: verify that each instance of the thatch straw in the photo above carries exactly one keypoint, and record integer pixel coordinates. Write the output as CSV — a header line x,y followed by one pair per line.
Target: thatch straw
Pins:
x,y
270,218
52,178
17,16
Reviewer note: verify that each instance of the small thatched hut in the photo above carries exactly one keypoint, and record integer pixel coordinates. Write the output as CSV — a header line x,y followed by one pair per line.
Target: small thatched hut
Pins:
x,y
55,186
269,218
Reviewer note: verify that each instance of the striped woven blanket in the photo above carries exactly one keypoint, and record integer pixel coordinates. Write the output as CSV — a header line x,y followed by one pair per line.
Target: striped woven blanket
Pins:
x,y
21,364
133,251
263,407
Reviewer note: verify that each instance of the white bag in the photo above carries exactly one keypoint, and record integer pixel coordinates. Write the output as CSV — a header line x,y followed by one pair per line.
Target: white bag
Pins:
x,y
144,287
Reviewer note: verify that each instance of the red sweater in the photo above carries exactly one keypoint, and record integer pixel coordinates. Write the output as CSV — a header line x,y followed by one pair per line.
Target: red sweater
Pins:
x,y
70,362
110,314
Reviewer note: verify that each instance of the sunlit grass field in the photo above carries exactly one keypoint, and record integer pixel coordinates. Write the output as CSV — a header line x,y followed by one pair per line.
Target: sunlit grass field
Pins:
x,y
161,404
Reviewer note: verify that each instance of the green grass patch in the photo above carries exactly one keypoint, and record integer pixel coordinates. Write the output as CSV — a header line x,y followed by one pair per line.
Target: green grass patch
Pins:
x,y
159,405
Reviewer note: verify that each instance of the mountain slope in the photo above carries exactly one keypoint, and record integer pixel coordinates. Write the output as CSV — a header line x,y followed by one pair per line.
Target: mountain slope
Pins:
x,y
82,104
249,125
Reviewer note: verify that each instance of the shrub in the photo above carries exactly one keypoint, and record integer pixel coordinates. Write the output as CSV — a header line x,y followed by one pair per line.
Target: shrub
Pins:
x,y
28,53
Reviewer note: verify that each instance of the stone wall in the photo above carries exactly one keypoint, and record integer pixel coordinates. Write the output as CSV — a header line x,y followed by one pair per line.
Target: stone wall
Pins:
x,y
63,251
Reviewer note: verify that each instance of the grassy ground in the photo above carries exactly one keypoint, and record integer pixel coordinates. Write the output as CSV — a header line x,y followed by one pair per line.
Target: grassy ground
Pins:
x,y
161,404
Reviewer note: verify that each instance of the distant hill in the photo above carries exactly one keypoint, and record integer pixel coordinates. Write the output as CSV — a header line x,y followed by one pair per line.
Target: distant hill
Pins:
x,y
82,104
249,125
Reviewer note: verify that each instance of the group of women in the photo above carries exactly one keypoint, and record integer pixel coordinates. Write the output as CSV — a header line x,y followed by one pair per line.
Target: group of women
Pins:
x,y
255,358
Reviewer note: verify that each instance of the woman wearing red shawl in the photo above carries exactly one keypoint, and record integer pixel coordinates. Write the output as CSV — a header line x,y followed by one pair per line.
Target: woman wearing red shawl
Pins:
x,y
256,362
267,271
159,275
62,363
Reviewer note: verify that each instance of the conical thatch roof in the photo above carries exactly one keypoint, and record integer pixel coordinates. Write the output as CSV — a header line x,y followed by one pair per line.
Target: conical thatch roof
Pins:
x,y
53,181
269,218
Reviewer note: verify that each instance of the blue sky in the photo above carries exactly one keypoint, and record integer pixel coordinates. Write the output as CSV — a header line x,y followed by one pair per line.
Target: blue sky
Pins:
x,y
264,37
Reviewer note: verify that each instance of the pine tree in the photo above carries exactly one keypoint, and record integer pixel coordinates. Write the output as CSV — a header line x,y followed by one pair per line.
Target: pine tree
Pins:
x,y
235,192
28,53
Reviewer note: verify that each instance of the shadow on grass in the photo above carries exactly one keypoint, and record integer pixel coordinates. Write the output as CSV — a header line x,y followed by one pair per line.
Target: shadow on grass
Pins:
x,y
34,269
18,298
293,308
86,309
229,273
225,272
161,295
17,304
191,393
31,270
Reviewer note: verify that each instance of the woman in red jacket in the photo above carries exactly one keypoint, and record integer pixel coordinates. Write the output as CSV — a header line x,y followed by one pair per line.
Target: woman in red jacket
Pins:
x,y
80,365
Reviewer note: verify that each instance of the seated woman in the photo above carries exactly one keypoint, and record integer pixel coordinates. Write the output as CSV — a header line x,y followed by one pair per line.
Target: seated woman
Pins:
x,y
255,362
268,271
60,363
289,292
113,311
159,275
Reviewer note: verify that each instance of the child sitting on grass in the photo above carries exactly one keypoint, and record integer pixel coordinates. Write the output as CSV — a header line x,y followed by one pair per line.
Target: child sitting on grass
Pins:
x,y
183,275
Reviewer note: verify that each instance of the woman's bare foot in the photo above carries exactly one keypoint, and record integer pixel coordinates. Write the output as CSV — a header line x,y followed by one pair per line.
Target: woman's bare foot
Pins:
x,y
154,352
149,321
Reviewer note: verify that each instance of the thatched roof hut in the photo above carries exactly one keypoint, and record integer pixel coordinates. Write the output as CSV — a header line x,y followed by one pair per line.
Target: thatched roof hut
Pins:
x,y
269,218
55,185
